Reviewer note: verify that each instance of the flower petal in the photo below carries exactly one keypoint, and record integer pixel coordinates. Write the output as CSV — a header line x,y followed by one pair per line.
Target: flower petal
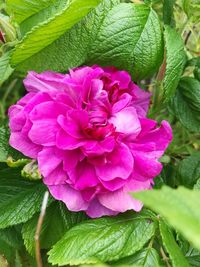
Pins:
x,y
119,164
126,121
72,198
119,201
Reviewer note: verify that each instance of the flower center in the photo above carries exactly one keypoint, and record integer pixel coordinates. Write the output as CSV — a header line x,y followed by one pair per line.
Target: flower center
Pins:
x,y
99,132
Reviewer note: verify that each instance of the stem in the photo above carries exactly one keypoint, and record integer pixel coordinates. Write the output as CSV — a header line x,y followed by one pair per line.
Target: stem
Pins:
x,y
10,87
165,258
38,229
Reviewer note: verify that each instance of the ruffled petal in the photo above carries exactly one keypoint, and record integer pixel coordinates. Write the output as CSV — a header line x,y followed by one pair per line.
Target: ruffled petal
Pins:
x,y
24,144
118,164
72,198
119,201
126,121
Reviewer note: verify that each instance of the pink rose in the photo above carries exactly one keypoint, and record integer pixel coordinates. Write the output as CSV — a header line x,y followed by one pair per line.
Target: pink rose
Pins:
x,y
89,132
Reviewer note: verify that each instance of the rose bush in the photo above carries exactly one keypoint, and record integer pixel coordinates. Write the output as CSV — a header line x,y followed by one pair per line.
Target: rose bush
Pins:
x,y
89,132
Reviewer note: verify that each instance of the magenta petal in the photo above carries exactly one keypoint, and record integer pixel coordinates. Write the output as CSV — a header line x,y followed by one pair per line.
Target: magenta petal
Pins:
x,y
141,100
114,184
145,165
161,136
74,123
71,159
119,201
48,160
72,198
96,210
126,121
123,102
44,132
17,117
118,164
134,185
45,82
65,141
56,177
47,110
23,144
84,176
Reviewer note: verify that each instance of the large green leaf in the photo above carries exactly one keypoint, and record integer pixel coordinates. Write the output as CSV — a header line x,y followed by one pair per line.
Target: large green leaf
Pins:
x,y
175,61
186,103
128,35
5,68
6,150
48,31
179,206
56,222
19,199
189,170
147,257
172,247
73,45
103,239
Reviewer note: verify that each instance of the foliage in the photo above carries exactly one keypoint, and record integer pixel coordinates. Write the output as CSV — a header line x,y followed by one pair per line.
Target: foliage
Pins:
x,y
158,42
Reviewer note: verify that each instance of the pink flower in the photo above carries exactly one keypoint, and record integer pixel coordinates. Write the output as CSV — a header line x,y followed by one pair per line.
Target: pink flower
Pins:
x,y
89,132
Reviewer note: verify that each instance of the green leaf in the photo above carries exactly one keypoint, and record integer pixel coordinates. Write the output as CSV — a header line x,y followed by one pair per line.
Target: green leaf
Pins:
x,y
175,61
168,7
186,103
6,150
180,207
24,9
10,241
56,222
194,260
189,170
47,32
147,257
5,68
41,16
103,239
128,35
19,199
73,45
171,246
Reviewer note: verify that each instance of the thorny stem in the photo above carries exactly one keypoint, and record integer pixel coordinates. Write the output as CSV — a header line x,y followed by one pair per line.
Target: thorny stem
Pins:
x,y
165,258
38,229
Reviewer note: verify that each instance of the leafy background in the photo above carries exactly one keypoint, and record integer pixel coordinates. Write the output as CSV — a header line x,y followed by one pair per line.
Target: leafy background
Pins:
x,y
158,42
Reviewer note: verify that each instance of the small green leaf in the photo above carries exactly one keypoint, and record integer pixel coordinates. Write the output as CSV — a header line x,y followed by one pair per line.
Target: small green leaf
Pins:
x,y
5,68
10,241
180,207
7,151
56,222
147,257
19,199
189,170
186,103
175,61
24,9
103,239
172,247
47,32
